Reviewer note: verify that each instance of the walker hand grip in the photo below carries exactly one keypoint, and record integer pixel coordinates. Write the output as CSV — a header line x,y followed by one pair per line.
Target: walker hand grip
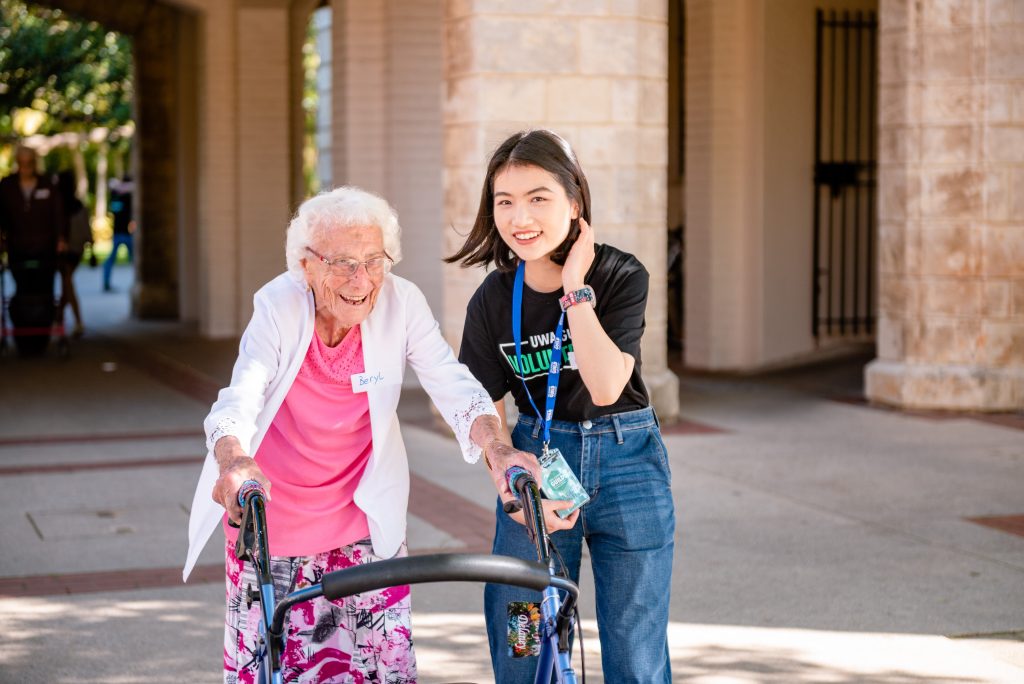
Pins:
x,y
251,497
445,567
250,488
519,478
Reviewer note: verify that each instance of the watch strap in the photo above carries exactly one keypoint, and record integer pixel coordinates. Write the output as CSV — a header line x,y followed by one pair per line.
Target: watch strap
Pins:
x,y
584,294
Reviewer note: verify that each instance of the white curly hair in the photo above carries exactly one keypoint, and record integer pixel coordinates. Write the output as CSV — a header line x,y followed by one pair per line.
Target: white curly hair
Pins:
x,y
344,207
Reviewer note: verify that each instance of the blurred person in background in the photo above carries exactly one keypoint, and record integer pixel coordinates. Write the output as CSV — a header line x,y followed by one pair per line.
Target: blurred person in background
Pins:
x,y
121,192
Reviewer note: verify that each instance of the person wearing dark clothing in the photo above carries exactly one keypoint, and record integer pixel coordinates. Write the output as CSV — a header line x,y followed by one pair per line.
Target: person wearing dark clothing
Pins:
x,y
34,232
79,233
32,224
124,225
558,325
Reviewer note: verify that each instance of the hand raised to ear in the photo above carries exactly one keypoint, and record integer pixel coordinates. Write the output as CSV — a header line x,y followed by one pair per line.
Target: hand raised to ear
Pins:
x,y
580,258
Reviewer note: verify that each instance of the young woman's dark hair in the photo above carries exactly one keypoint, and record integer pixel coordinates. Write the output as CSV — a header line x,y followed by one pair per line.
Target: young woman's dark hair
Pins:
x,y
540,148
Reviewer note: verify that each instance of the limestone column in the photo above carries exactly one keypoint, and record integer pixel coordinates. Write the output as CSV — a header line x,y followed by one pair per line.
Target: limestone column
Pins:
x,y
264,148
724,183
155,293
360,91
951,206
596,73
218,115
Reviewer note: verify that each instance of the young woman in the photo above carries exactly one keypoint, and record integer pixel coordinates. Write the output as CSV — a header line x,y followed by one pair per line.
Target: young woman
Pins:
x,y
533,220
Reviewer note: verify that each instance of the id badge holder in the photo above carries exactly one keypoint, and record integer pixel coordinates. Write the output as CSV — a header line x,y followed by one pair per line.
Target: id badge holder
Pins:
x,y
560,483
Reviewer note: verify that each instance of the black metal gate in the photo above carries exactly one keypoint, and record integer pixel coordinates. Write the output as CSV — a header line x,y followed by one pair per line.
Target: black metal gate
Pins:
x,y
844,174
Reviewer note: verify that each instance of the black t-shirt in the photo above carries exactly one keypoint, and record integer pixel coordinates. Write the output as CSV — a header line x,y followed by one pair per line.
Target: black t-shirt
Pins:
x,y
489,351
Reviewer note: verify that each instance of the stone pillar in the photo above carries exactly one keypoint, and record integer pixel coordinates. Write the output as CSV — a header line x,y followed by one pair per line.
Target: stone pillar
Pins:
x,y
155,293
724,183
951,206
264,148
187,135
218,290
596,73
387,120
361,84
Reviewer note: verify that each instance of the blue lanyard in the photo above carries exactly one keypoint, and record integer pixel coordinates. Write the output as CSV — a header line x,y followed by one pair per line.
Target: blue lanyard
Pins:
x,y
556,354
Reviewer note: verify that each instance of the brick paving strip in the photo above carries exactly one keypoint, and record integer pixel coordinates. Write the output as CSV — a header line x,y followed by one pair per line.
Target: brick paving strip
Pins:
x,y
37,440
1012,524
59,468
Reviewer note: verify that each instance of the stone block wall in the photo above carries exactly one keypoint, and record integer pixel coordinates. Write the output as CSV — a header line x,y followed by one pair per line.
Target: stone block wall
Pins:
x,y
264,150
951,206
596,73
386,123
217,104
155,292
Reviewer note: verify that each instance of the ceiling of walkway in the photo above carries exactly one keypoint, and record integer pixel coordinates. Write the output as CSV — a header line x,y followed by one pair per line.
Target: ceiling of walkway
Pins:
x,y
125,17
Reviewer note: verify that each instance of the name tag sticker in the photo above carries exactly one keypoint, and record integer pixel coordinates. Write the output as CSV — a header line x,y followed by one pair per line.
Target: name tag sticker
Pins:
x,y
42,193
361,382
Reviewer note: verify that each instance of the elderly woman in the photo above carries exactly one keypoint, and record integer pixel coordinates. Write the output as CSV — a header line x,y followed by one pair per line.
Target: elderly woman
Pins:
x,y
310,413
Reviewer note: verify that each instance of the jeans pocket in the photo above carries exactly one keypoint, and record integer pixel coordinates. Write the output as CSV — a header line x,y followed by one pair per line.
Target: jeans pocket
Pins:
x,y
662,451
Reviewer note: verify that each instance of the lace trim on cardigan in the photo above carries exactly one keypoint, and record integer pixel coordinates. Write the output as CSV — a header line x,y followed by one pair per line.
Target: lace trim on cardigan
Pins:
x,y
479,405
225,427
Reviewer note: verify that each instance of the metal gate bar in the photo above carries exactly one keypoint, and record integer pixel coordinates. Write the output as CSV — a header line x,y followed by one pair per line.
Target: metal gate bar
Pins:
x,y
844,248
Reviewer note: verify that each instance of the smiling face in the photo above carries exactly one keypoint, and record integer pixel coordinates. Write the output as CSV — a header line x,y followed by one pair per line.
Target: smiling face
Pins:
x,y
340,300
531,211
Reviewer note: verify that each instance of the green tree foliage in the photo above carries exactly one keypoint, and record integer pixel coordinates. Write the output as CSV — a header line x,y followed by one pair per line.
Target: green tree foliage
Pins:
x,y
76,72
310,106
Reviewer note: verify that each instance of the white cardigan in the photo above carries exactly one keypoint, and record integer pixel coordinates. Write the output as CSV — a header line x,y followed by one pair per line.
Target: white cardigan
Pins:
x,y
399,329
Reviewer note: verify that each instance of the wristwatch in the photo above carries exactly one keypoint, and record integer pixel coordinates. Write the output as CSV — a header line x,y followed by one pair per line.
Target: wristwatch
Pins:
x,y
584,294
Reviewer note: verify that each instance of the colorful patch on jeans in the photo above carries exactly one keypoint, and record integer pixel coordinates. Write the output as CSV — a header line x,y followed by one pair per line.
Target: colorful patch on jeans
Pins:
x,y
523,629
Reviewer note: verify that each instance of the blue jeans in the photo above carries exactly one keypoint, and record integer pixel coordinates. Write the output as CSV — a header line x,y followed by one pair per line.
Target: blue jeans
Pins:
x,y
108,265
629,526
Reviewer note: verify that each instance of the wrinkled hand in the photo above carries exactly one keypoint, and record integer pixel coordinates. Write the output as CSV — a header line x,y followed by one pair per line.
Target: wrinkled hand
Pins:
x,y
235,469
502,457
580,258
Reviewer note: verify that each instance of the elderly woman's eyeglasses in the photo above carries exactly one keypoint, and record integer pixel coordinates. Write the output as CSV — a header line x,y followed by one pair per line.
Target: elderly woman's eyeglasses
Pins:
x,y
346,268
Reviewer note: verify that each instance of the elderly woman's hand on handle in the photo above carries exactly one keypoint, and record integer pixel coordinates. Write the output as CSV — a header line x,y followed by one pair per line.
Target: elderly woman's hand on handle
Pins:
x,y
500,455
235,468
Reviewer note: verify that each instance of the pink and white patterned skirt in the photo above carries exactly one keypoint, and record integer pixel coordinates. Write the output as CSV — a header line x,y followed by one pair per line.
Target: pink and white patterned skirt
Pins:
x,y
355,640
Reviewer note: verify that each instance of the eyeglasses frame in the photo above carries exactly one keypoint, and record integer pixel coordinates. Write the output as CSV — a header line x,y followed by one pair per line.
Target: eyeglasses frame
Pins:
x,y
329,263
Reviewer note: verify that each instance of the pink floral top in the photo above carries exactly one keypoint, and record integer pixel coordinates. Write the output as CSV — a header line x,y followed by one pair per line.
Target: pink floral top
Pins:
x,y
314,454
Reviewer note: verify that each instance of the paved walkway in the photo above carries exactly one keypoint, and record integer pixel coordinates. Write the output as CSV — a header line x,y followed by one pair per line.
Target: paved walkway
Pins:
x,y
819,540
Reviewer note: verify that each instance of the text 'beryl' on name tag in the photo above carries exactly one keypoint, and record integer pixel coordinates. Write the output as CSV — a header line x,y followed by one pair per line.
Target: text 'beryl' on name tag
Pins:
x,y
362,382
